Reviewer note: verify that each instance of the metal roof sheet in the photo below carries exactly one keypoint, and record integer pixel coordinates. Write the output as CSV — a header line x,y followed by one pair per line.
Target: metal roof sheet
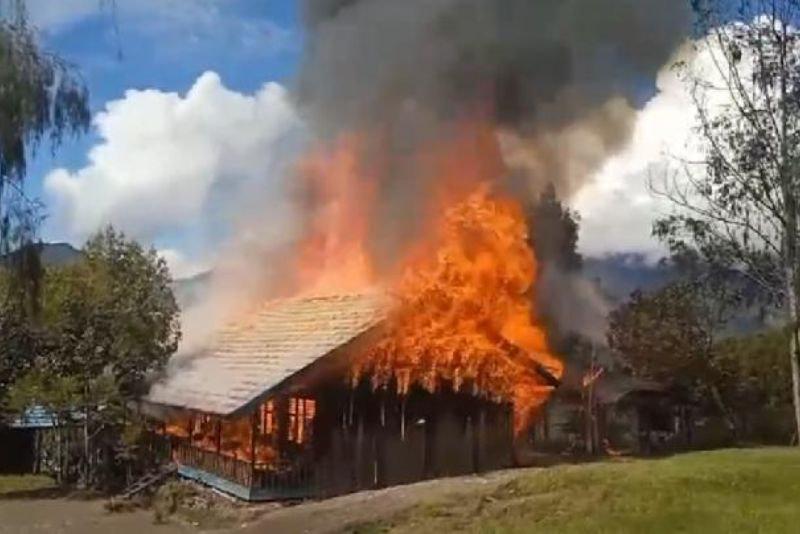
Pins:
x,y
34,417
250,357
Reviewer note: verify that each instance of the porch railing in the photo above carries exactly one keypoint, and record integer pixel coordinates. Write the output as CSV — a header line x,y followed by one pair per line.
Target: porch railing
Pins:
x,y
283,478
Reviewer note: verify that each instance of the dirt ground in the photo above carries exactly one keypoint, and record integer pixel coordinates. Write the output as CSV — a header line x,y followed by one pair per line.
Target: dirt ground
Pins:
x,y
336,515
69,516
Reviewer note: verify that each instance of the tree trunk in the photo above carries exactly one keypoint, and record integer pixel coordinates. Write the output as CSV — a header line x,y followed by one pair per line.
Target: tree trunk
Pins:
x,y
789,193
790,279
86,455
795,366
60,454
726,414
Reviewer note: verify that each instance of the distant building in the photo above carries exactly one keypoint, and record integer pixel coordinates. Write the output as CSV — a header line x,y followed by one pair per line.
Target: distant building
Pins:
x,y
608,412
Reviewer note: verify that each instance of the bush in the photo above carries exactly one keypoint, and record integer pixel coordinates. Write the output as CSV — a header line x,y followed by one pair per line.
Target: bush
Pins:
x,y
168,499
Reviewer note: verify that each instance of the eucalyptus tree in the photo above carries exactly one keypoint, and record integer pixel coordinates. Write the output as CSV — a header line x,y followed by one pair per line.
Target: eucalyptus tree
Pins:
x,y
737,201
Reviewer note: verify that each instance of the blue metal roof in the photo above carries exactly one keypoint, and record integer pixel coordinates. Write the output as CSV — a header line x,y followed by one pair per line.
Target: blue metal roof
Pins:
x,y
33,417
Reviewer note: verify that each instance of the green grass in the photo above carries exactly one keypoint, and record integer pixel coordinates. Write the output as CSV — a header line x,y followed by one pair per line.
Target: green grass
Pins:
x,y
24,483
754,490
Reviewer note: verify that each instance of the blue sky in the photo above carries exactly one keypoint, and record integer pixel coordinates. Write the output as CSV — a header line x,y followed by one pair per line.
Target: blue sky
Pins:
x,y
164,45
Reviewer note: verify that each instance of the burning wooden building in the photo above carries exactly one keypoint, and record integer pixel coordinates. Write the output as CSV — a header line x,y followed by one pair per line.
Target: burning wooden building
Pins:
x,y
271,410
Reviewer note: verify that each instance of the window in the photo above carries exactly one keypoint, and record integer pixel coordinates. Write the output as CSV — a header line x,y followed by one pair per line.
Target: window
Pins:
x,y
301,416
267,418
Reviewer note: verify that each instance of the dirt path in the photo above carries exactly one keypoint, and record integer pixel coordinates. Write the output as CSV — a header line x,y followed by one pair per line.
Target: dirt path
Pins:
x,y
71,516
336,515
66,516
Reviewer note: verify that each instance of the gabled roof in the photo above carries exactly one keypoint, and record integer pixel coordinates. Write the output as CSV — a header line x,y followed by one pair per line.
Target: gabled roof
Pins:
x,y
248,359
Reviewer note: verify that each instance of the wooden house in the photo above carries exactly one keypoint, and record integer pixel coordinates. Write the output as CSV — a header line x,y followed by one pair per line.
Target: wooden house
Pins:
x,y
269,410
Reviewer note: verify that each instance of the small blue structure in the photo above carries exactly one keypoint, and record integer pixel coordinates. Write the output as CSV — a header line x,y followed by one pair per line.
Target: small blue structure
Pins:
x,y
21,439
26,439
35,417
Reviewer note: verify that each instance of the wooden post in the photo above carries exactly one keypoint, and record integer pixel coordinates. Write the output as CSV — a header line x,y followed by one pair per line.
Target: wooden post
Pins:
x,y
590,408
191,429
429,459
403,418
474,426
359,451
546,422
253,429
37,461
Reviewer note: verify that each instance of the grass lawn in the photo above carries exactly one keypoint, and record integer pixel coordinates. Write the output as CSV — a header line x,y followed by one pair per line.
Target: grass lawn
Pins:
x,y
24,483
754,490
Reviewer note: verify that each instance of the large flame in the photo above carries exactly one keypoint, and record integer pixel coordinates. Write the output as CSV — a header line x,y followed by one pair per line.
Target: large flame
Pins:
x,y
333,256
463,308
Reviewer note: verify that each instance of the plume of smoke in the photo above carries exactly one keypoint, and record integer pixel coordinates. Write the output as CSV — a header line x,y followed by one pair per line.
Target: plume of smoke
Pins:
x,y
251,266
573,302
558,78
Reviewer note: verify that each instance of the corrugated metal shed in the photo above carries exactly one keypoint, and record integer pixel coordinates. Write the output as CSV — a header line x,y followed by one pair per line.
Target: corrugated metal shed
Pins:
x,y
34,417
249,358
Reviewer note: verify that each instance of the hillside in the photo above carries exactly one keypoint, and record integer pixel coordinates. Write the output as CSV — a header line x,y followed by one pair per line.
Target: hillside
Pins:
x,y
51,254
618,275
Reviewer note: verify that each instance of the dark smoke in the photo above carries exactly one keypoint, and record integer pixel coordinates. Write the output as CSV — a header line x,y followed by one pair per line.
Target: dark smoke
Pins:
x,y
543,64
557,76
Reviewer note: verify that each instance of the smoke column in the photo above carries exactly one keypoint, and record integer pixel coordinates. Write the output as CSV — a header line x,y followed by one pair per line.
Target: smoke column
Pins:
x,y
559,77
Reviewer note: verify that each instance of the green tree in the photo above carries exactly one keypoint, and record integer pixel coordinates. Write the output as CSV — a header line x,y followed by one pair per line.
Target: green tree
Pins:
x,y
662,336
669,336
140,302
554,231
754,371
739,208
109,322
42,98
18,344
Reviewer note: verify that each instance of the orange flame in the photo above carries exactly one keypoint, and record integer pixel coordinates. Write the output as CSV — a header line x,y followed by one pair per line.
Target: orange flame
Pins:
x,y
465,315
464,289
333,256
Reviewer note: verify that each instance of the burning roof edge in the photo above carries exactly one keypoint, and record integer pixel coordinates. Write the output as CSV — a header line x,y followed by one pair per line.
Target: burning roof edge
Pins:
x,y
226,380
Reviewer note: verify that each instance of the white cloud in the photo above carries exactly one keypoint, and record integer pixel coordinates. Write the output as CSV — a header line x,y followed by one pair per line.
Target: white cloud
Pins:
x,y
617,208
170,162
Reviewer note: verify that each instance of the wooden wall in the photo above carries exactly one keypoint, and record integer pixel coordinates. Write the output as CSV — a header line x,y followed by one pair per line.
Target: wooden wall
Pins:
x,y
367,439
